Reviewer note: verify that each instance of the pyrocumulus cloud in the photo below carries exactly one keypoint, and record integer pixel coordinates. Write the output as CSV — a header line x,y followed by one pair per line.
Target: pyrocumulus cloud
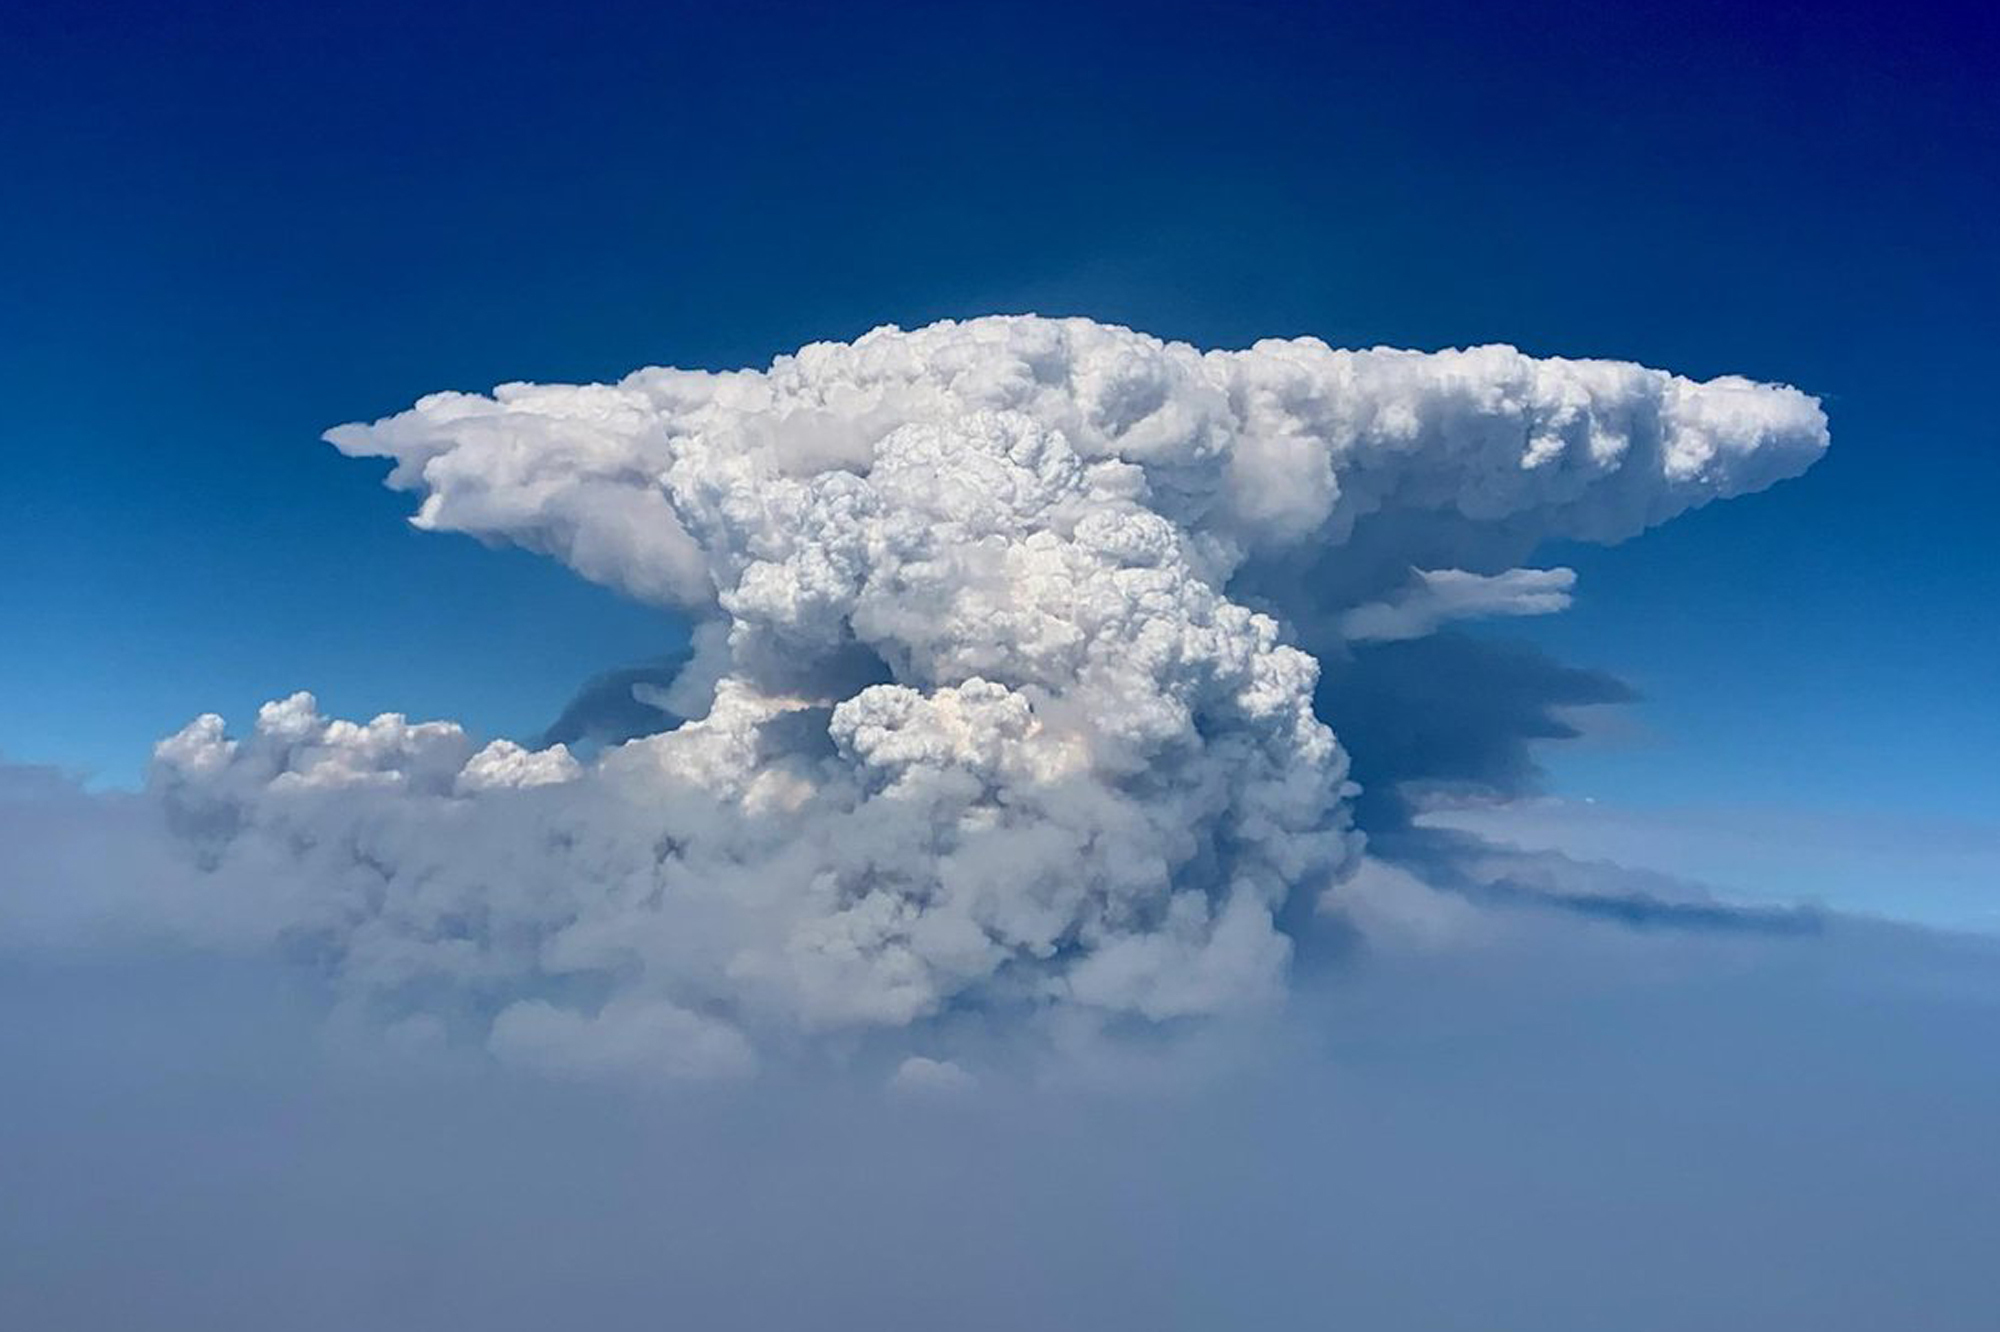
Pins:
x,y
1003,696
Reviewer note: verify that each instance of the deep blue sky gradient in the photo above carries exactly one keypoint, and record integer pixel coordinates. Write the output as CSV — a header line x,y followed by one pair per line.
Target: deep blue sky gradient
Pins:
x,y
229,229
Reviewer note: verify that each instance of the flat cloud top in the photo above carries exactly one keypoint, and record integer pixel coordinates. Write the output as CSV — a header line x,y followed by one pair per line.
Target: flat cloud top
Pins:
x,y
640,484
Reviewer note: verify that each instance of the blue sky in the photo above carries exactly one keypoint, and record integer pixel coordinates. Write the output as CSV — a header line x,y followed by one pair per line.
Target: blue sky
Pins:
x,y
364,1029
234,229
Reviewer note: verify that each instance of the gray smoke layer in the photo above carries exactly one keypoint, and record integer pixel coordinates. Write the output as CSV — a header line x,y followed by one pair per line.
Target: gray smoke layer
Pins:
x,y
1576,1127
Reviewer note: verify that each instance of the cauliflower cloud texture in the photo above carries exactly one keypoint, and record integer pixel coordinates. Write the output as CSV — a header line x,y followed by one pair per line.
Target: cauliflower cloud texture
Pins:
x,y
1003,696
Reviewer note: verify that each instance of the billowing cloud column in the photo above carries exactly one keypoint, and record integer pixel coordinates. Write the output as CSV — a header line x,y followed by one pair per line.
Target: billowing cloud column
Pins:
x,y
1003,699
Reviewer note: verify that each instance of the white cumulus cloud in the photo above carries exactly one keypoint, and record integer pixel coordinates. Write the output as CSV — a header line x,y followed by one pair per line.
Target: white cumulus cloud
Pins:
x,y
1003,696
1438,596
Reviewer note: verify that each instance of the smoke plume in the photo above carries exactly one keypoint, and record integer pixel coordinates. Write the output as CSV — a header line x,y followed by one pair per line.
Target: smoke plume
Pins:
x,y
1006,694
